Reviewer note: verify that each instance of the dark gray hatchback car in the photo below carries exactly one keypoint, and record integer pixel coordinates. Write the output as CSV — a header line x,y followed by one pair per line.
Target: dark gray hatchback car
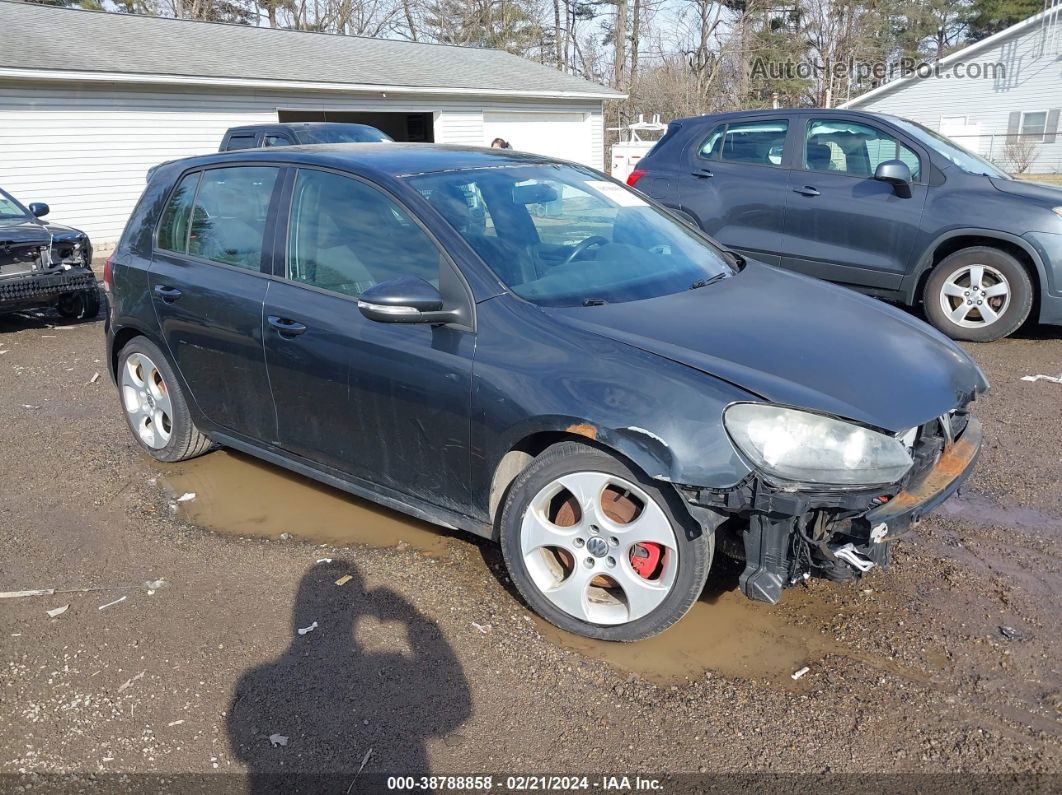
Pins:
x,y
874,202
530,351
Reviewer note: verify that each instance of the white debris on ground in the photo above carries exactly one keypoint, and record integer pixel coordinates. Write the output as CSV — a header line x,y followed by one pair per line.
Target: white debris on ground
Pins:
x,y
112,604
1054,379
308,629
58,611
188,496
277,739
801,672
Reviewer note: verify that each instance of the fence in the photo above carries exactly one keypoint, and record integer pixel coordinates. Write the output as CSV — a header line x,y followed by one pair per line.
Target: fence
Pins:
x,y
1022,154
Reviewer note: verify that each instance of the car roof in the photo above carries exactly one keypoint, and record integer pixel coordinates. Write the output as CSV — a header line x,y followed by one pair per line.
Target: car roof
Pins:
x,y
742,114
394,159
297,125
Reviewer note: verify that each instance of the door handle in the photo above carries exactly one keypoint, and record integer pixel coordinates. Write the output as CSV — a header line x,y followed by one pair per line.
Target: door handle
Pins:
x,y
807,190
703,173
166,293
287,328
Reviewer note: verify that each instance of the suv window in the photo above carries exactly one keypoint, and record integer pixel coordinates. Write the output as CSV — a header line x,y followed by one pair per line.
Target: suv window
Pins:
x,y
276,139
229,217
173,226
240,142
845,147
757,142
346,236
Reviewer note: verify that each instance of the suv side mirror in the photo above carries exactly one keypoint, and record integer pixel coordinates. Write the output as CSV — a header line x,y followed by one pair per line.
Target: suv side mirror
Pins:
x,y
39,209
406,300
896,173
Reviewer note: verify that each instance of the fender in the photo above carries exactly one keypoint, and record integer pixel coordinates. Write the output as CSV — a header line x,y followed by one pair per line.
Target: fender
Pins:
x,y
910,282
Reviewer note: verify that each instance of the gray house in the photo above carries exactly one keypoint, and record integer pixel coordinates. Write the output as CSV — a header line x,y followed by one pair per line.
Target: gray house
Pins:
x,y
89,101
999,97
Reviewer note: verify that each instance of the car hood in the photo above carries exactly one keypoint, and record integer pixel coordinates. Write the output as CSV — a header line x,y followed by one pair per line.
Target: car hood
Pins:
x,y
63,232
1033,190
794,340
22,232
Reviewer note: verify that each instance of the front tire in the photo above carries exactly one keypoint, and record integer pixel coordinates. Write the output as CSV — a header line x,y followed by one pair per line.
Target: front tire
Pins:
x,y
978,294
155,408
600,550
82,305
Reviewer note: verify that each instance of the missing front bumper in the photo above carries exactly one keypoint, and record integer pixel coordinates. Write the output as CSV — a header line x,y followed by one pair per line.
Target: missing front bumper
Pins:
x,y
785,536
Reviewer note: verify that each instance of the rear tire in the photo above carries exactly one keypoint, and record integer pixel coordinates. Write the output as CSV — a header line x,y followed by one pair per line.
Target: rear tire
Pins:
x,y
154,406
623,576
978,294
82,305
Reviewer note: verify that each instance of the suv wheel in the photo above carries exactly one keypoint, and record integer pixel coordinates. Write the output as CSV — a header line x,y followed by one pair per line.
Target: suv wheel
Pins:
x,y
978,294
82,305
155,408
600,550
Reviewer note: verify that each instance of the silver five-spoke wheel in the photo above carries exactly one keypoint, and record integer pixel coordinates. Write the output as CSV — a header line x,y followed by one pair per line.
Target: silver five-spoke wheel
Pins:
x,y
146,398
599,548
974,296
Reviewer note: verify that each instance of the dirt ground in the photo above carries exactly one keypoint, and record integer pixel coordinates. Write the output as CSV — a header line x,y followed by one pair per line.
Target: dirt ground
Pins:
x,y
213,635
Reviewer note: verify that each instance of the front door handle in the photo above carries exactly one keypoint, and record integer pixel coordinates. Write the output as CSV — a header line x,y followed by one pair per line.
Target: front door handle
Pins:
x,y
807,190
287,328
703,173
167,293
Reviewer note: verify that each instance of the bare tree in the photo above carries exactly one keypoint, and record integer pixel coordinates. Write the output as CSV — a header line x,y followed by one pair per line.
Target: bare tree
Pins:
x,y
1019,153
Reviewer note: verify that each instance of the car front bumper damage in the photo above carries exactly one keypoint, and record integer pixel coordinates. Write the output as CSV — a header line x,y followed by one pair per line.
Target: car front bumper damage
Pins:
x,y
40,288
785,536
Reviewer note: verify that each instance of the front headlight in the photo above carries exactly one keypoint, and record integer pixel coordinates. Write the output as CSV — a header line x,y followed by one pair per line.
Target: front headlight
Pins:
x,y
807,448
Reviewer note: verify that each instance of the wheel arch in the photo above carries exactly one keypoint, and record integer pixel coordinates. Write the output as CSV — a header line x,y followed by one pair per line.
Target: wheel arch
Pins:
x,y
958,239
638,448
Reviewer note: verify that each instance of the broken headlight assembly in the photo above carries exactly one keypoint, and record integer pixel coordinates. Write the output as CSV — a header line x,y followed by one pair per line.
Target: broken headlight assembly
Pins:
x,y
800,448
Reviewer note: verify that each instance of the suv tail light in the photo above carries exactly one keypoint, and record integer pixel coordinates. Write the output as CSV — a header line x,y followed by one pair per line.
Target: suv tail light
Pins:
x,y
636,175
108,275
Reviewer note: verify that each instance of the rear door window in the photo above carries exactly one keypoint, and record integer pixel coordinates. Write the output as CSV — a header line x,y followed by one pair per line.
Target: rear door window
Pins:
x,y
228,220
758,142
173,226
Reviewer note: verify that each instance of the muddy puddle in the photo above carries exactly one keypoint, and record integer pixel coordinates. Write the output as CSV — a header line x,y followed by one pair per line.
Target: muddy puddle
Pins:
x,y
979,509
724,632
239,495
727,635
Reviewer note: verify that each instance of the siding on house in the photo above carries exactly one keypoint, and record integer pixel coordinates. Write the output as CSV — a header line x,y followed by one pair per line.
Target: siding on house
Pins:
x,y
85,147
1030,80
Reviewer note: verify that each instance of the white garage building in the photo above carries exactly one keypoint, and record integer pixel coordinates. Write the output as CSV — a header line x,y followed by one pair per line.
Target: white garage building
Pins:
x,y
90,100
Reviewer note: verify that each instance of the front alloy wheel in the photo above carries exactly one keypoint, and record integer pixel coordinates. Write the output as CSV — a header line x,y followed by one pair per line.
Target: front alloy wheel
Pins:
x,y
600,550
978,294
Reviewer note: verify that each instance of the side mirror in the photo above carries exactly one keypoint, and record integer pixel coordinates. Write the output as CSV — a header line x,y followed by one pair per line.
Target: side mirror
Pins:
x,y
405,300
39,209
897,174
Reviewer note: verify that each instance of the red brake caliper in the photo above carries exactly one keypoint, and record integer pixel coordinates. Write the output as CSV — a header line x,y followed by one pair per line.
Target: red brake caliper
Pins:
x,y
645,558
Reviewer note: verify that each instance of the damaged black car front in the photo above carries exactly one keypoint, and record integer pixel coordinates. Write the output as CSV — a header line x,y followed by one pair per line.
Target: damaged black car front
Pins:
x,y
44,264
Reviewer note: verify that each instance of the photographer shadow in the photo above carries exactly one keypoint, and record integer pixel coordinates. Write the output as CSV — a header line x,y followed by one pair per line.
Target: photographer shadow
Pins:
x,y
332,715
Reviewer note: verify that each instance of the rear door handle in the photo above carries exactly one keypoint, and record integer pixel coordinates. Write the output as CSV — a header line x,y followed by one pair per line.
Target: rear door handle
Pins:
x,y
166,293
807,190
704,173
287,328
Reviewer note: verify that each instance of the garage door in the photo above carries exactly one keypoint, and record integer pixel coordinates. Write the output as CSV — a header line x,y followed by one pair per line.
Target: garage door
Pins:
x,y
564,135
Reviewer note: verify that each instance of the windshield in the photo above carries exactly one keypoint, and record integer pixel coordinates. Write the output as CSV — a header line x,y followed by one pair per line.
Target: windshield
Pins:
x,y
9,208
947,148
342,134
559,235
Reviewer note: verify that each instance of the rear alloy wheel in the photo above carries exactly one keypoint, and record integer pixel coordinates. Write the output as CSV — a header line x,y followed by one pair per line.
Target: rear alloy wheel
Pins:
x,y
155,409
597,549
978,294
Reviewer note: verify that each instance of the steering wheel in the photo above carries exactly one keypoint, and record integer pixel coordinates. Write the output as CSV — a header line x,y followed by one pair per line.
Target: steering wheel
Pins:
x,y
584,246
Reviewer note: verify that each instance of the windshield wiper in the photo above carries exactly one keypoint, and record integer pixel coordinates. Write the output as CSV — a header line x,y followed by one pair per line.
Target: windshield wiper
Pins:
x,y
594,302
710,280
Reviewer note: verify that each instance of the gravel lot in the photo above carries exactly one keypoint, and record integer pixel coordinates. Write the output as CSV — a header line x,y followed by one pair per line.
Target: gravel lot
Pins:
x,y
425,660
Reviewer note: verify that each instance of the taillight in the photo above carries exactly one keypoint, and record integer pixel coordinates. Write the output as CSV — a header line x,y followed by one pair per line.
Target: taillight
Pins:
x,y
636,175
108,276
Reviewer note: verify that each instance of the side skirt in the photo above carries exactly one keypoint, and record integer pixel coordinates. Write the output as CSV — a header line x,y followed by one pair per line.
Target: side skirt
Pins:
x,y
390,498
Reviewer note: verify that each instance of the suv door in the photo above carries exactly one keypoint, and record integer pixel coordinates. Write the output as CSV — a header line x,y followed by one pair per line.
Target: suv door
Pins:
x,y
208,285
385,402
736,184
842,224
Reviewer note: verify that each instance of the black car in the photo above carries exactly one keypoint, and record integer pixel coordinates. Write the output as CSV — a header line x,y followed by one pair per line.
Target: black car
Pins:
x,y
252,136
44,264
527,350
874,202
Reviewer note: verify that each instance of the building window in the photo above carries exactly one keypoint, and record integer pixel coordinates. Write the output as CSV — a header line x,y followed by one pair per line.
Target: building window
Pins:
x,y
1034,125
